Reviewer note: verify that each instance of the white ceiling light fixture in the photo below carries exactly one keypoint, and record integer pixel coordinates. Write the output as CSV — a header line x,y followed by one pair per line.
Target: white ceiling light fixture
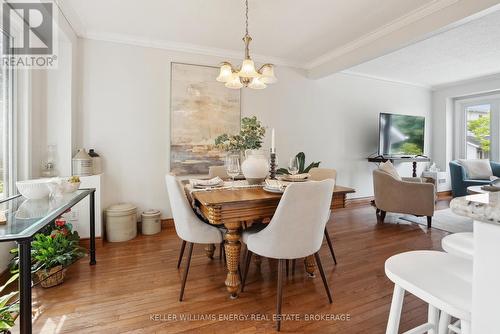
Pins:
x,y
246,75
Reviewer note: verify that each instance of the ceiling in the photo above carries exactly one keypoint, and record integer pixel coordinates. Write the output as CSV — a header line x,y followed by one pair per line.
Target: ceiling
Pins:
x,y
468,51
299,33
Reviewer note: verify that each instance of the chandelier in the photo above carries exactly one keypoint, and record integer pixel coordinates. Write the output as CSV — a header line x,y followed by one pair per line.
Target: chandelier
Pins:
x,y
246,75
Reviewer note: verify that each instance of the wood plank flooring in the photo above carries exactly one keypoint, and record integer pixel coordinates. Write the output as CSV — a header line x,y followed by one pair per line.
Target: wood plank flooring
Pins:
x,y
135,285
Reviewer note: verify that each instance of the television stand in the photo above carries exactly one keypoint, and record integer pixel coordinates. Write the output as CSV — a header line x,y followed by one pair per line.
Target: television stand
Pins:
x,y
414,160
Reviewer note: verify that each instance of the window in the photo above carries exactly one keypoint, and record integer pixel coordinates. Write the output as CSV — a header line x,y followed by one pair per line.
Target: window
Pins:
x,y
478,127
7,174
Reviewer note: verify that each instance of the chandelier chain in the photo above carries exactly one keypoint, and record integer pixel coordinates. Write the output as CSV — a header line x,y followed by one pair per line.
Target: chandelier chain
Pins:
x,y
246,17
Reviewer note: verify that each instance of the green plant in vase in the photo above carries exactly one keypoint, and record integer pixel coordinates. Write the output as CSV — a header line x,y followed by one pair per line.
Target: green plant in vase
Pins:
x,y
250,137
8,310
301,157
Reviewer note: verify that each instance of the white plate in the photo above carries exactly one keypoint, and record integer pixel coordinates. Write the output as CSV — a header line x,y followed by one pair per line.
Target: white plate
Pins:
x,y
273,190
288,179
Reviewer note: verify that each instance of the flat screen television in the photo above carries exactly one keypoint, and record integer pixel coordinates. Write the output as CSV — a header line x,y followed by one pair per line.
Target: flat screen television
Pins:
x,y
401,135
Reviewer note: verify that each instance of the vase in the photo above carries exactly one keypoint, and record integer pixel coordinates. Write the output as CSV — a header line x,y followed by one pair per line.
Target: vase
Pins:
x,y
255,167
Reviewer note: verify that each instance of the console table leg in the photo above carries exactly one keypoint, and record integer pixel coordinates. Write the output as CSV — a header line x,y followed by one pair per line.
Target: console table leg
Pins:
x,y
92,228
414,169
25,285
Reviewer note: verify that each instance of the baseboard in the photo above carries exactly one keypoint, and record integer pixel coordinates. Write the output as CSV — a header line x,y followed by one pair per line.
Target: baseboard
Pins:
x,y
359,201
444,194
167,224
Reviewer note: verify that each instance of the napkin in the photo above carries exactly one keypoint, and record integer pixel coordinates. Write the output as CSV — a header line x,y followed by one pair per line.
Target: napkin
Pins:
x,y
298,176
274,184
216,181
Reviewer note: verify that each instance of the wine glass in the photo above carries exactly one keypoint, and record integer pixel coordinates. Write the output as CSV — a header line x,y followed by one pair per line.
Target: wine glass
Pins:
x,y
233,167
293,166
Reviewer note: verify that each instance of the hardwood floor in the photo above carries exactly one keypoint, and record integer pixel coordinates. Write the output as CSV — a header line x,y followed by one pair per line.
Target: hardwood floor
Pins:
x,y
135,286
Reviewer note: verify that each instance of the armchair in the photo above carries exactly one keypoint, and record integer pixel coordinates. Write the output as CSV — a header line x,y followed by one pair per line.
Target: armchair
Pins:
x,y
460,180
409,196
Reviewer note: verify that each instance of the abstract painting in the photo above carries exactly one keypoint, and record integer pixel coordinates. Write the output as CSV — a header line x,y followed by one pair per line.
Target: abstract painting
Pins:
x,y
200,110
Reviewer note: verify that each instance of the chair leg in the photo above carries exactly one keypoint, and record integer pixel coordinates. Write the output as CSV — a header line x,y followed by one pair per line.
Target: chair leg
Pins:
x,y
433,319
429,221
183,245
248,257
382,215
184,277
395,312
465,327
444,321
279,296
323,277
287,267
293,267
329,241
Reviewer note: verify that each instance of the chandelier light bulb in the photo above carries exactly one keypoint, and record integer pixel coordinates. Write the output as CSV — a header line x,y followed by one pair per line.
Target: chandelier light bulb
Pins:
x,y
225,73
257,83
234,82
268,76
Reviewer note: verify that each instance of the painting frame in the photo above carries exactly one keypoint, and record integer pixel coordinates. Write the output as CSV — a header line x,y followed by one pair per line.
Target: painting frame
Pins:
x,y
173,145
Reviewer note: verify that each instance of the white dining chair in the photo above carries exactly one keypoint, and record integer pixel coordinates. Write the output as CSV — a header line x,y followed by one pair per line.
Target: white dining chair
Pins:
x,y
187,225
220,171
442,280
320,174
295,231
459,244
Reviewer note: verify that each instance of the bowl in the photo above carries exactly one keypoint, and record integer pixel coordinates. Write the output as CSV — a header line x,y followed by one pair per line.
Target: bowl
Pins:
x,y
33,189
70,187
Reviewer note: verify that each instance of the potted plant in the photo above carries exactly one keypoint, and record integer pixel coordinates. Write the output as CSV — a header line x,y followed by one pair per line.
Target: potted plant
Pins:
x,y
247,143
50,254
8,311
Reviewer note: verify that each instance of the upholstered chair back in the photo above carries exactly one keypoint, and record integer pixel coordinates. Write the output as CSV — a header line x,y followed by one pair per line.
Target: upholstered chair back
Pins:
x,y
297,227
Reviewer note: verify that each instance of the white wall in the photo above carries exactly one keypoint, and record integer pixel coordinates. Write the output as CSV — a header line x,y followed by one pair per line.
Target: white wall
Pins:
x,y
443,110
124,115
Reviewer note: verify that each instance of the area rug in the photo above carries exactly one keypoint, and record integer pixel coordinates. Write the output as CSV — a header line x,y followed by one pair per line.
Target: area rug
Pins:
x,y
444,220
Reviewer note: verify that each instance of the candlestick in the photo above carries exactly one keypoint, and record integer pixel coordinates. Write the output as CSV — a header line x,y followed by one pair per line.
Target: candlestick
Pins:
x,y
272,170
273,145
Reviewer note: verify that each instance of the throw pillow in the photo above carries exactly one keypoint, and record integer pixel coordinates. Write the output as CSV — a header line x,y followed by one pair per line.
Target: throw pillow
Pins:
x,y
477,169
389,168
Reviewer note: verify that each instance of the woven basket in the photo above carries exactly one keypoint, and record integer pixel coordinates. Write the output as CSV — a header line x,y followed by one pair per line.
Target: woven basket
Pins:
x,y
51,277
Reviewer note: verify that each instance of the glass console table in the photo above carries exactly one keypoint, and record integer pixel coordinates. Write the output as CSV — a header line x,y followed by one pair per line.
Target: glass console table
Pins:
x,y
24,218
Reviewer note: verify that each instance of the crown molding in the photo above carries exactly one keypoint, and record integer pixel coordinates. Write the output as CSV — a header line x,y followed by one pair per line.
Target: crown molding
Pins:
x,y
493,76
379,78
71,17
385,30
186,47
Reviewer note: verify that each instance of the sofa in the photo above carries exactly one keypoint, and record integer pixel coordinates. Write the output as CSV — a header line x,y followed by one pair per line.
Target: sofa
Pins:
x,y
460,181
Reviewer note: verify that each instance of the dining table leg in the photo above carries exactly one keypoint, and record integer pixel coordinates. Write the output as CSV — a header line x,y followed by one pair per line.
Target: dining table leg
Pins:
x,y
310,265
232,247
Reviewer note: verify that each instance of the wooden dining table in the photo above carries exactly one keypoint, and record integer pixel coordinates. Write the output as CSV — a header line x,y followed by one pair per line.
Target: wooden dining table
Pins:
x,y
239,208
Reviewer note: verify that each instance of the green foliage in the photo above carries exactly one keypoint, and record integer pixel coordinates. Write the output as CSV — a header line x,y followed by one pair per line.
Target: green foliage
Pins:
x,y
480,128
8,312
301,157
250,136
61,247
52,250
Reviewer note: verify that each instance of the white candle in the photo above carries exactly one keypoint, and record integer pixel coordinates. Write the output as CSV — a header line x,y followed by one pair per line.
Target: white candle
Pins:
x,y
273,147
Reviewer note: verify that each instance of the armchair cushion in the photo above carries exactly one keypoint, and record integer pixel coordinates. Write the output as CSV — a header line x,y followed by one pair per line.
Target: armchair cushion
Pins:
x,y
479,169
389,168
